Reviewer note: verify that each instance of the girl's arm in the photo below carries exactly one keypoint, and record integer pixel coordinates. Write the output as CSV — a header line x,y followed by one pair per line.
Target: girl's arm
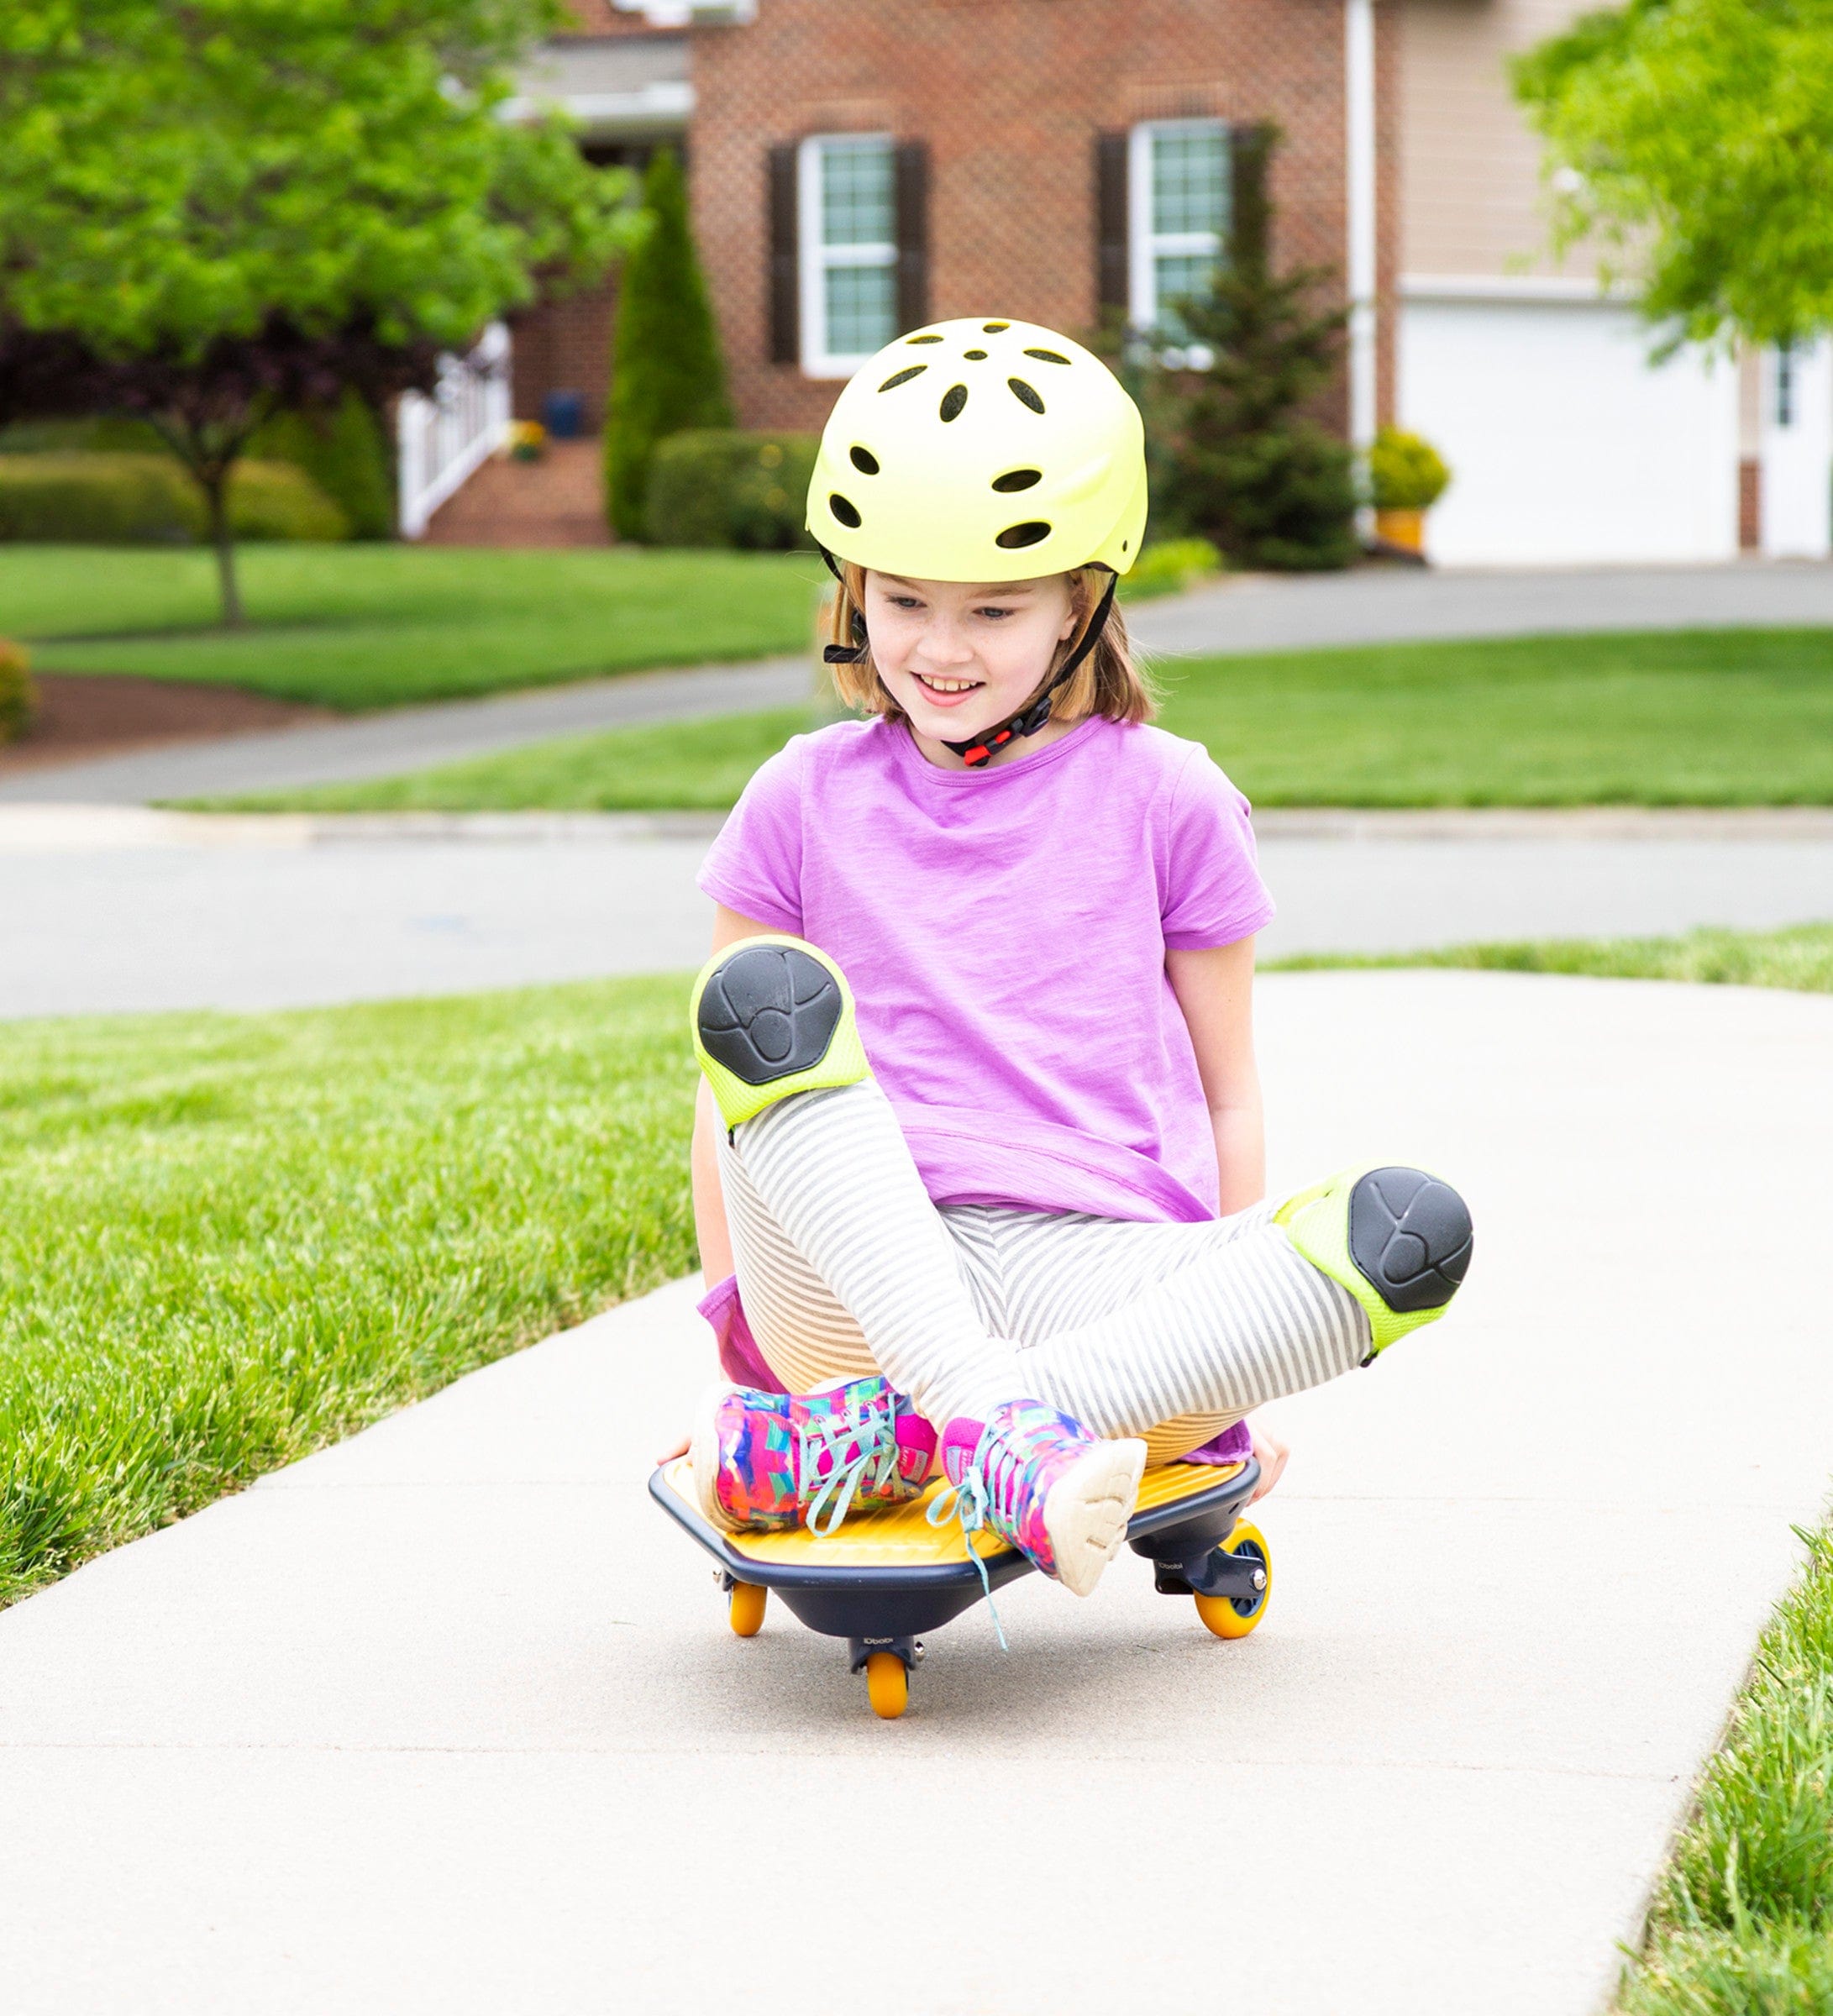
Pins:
x,y
703,1155
703,1160
1215,989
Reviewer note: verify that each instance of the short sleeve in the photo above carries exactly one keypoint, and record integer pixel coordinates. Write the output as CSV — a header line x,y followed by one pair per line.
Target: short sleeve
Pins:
x,y
755,865
1212,893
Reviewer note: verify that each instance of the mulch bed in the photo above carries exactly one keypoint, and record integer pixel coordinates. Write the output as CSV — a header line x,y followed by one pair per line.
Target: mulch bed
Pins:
x,y
80,715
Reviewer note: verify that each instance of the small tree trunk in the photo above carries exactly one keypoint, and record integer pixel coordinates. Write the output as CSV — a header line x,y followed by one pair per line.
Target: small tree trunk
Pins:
x,y
215,494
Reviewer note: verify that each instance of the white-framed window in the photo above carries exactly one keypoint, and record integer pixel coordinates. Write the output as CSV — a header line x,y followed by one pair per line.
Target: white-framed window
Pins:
x,y
1785,385
847,233
1178,204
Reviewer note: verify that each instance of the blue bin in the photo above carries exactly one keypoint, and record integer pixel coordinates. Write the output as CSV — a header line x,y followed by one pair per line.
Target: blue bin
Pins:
x,y
562,414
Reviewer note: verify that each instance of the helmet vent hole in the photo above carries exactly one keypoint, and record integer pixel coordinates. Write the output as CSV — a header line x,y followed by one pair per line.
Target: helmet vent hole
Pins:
x,y
922,340
993,328
1027,394
1018,478
976,354
1030,534
864,460
845,511
903,377
1048,356
952,401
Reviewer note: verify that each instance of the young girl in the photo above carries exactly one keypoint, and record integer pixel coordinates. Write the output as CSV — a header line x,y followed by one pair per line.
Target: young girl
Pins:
x,y
979,1136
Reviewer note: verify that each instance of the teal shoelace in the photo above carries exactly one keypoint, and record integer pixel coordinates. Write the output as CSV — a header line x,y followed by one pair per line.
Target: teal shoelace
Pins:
x,y
967,1501
862,1447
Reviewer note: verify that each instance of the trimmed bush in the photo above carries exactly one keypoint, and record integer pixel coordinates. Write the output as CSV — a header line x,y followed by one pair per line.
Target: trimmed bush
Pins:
x,y
1168,567
1405,471
102,434
125,500
17,701
666,372
343,452
278,500
717,486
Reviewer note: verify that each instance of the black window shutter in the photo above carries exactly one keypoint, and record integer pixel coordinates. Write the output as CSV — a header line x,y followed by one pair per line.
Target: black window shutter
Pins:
x,y
784,279
1111,289
912,186
1250,148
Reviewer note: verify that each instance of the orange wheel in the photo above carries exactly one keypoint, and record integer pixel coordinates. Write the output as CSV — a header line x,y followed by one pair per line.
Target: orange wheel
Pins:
x,y
887,1684
1235,1616
747,1602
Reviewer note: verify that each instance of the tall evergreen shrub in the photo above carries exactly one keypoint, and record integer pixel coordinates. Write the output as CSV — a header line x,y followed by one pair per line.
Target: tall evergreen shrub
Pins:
x,y
666,374
1243,465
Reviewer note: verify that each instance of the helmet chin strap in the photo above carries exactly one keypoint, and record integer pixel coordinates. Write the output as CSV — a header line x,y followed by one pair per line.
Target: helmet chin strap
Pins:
x,y
980,749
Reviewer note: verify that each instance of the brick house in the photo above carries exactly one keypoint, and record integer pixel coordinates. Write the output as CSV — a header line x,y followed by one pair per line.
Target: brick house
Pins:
x,y
860,168
856,168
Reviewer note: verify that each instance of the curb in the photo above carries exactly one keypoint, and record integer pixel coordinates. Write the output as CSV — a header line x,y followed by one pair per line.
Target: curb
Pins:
x,y
60,829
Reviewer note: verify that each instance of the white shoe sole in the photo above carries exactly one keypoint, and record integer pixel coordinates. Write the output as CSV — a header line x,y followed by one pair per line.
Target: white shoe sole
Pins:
x,y
703,1458
1087,1511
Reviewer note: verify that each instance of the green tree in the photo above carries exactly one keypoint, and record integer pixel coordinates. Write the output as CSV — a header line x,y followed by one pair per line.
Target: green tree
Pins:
x,y
1693,140
1238,461
213,213
666,370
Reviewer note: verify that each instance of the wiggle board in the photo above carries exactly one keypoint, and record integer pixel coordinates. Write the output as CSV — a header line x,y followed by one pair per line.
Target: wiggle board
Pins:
x,y
885,1575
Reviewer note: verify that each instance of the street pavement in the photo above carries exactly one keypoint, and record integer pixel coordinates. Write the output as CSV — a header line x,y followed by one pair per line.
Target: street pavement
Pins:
x,y
121,908
1250,613
1398,605
408,738
448,1719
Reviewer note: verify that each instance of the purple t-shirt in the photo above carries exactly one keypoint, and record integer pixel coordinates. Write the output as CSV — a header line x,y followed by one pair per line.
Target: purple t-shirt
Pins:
x,y
1004,932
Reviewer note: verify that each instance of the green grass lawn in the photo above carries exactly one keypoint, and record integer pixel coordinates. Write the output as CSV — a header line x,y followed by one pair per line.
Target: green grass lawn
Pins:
x,y
372,626
1743,1920
1800,957
1689,717
228,1239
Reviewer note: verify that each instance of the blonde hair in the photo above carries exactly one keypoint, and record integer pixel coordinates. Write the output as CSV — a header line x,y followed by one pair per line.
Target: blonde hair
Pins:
x,y
1108,682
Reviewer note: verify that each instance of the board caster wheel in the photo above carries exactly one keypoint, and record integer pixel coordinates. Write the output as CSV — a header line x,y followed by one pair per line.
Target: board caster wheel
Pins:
x,y
887,1685
749,1600
1235,1616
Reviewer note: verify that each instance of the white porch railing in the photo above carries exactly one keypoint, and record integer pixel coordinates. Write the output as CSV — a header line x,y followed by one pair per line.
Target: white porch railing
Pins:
x,y
442,440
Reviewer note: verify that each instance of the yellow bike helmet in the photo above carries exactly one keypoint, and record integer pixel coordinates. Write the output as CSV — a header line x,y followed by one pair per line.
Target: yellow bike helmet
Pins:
x,y
981,450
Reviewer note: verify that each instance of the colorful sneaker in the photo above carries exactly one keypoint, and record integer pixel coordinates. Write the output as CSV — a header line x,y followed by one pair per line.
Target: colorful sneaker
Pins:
x,y
772,1461
1060,1495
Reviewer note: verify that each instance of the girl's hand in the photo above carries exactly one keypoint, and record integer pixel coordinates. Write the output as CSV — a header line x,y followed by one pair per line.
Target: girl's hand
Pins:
x,y
668,1455
1270,1453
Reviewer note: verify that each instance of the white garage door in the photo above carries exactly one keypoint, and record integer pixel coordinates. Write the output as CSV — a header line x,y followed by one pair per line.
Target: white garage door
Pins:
x,y
1566,446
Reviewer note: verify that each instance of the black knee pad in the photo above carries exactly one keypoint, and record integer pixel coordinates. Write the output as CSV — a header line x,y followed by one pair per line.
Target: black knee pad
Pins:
x,y
769,1011
1410,1236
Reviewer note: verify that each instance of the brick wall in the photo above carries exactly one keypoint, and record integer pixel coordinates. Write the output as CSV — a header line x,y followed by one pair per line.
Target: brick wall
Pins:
x,y
1009,94
564,345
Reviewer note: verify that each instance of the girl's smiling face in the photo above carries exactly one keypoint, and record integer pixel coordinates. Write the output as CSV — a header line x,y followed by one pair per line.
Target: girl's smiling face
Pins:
x,y
960,656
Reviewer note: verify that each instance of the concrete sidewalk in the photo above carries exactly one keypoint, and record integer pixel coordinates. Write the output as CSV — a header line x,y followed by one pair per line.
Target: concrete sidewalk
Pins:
x,y
448,1719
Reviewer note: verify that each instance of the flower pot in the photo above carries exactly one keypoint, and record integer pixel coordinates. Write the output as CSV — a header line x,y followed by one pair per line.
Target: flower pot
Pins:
x,y
1404,529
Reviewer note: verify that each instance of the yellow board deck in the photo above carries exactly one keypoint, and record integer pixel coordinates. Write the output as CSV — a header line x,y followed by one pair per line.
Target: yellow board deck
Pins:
x,y
900,1537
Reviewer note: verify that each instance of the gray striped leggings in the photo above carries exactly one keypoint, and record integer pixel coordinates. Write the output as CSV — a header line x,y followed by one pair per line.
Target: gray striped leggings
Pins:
x,y
1169,1331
